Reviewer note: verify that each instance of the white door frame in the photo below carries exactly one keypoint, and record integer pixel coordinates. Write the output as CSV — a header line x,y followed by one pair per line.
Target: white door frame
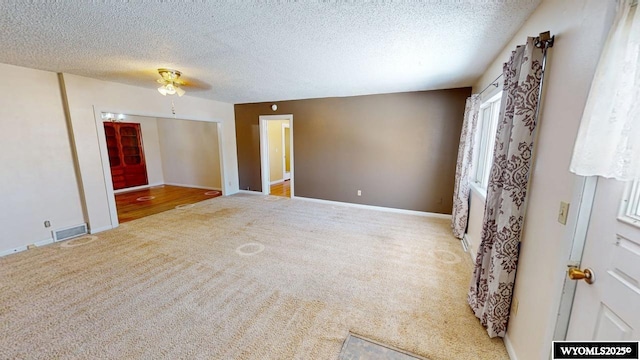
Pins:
x,y
104,155
264,150
284,153
580,214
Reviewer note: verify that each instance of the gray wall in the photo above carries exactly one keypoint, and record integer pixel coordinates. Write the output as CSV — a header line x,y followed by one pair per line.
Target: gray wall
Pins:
x,y
399,149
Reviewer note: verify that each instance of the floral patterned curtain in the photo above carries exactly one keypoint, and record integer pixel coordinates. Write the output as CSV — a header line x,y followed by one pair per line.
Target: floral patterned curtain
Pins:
x,y
495,267
460,212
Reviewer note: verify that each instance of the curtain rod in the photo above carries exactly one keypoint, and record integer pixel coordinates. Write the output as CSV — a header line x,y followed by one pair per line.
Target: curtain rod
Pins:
x,y
543,41
493,83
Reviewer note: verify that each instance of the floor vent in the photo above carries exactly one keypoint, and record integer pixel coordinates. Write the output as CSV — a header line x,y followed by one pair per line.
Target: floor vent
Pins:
x,y
70,232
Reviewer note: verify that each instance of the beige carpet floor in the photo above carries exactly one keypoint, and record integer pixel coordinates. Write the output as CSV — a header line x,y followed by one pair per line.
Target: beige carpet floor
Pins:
x,y
244,277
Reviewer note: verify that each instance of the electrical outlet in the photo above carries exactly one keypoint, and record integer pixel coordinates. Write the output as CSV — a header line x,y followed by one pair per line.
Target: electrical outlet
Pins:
x,y
563,213
47,223
359,192
514,306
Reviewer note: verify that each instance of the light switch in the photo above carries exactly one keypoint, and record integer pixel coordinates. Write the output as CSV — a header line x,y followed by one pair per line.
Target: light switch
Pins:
x,y
563,213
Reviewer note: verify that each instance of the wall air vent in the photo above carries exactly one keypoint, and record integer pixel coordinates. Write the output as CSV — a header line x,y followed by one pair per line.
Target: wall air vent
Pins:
x,y
70,232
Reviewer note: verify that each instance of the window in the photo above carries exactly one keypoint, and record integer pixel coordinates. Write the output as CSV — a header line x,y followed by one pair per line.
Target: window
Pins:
x,y
485,139
630,207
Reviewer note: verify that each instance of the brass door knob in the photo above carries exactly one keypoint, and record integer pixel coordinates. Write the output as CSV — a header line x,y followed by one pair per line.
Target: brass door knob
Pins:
x,y
576,274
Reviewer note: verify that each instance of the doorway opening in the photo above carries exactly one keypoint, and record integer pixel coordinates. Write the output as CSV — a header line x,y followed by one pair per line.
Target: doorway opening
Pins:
x,y
276,154
157,164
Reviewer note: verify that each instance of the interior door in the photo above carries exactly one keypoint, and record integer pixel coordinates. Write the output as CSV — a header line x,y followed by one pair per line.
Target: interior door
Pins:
x,y
608,309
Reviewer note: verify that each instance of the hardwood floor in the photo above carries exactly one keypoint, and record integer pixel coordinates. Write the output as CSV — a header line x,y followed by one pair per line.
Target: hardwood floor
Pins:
x,y
281,189
137,204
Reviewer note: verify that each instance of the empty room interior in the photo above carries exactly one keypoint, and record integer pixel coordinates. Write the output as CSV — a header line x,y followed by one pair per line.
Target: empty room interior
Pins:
x,y
318,180
157,164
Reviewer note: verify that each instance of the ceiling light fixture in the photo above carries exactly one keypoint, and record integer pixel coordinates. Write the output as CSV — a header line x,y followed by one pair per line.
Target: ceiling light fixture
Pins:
x,y
170,82
113,117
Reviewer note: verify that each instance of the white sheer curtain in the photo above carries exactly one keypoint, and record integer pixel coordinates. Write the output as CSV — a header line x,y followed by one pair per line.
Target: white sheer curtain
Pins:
x,y
608,142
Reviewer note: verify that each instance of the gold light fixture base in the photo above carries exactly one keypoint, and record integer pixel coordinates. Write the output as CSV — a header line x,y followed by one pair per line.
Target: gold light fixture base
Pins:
x,y
170,82
169,74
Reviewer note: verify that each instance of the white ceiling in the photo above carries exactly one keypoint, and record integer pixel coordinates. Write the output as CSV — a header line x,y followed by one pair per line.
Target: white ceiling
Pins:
x,y
242,52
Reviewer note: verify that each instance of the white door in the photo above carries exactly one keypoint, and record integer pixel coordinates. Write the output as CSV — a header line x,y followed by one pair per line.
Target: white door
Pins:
x,y
609,308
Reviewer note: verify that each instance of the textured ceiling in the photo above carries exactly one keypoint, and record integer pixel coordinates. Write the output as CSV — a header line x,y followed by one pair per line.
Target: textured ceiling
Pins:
x,y
261,51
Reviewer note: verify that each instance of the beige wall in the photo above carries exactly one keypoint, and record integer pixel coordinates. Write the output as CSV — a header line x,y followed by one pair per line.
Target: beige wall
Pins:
x,y
399,149
38,179
190,153
180,152
580,28
53,165
85,96
274,133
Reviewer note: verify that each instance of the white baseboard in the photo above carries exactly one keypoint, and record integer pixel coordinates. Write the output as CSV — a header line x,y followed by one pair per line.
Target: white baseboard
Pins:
x,y
194,186
136,188
25,247
44,242
13,251
509,346
379,208
100,229
144,187
276,182
250,192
